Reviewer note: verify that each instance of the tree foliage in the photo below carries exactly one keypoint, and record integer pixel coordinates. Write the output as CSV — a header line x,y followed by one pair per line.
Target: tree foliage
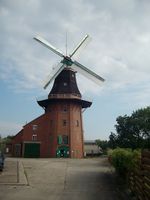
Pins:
x,y
102,144
4,141
132,131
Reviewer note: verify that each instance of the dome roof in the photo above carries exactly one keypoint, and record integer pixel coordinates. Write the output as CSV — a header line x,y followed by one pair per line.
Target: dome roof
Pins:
x,y
65,83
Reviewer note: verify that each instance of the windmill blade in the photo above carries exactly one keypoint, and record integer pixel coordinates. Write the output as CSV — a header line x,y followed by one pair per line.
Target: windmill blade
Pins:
x,y
80,46
87,73
48,45
54,73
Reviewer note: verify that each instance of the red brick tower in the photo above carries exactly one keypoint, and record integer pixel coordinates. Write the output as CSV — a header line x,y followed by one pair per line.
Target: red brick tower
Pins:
x,y
64,110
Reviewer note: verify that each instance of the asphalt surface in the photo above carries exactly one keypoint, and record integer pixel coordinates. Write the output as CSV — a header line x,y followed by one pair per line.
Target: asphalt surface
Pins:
x,y
58,179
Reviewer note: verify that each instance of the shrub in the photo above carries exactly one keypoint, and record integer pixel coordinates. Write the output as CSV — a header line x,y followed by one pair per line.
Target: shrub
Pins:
x,y
136,158
109,154
124,160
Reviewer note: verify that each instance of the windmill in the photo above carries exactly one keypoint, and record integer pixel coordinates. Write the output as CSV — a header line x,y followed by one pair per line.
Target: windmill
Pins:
x,y
64,105
68,61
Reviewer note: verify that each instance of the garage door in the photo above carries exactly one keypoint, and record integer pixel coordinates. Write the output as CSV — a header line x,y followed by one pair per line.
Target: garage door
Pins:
x,y
31,150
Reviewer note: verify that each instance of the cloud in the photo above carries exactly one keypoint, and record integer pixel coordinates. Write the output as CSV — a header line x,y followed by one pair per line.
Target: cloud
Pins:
x,y
119,51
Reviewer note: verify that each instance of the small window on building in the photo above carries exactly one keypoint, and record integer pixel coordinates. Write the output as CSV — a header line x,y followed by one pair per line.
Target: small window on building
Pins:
x,y
65,109
77,122
59,139
65,139
65,83
34,137
62,139
7,150
64,122
34,127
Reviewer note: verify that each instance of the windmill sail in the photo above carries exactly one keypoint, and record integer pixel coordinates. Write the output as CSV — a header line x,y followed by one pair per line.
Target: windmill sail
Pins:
x,y
76,52
87,73
48,45
54,73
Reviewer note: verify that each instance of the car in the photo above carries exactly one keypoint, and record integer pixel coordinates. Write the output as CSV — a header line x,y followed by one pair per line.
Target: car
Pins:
x,y
2,158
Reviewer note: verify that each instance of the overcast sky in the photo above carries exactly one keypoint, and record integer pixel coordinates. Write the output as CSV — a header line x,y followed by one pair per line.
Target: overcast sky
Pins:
x,y
119,52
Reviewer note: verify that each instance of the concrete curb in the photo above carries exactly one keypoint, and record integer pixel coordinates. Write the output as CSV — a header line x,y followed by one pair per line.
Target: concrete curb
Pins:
x,y
15,170
22,175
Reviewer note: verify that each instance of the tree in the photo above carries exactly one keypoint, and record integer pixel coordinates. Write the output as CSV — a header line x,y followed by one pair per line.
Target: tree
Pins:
x,y
132,131
112,141
4,141
103,144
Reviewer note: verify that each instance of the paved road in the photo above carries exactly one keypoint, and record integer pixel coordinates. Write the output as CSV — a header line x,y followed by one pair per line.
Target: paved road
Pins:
x,y
58,179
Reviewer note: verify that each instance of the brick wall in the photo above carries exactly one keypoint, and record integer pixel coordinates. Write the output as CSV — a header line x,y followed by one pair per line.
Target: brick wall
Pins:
x,y
59,119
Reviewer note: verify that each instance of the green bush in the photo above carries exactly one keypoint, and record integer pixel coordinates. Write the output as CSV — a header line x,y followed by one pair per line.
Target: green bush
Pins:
x,y
124,160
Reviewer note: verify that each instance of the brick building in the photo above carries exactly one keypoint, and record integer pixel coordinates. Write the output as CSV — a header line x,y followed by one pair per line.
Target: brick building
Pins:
x,y
59,131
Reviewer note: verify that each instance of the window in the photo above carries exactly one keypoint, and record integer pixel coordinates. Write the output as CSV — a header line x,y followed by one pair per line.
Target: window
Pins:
x,y
64,122
65,139
59,139
34,127
77,122
65,84
65,109
62,139
34,137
